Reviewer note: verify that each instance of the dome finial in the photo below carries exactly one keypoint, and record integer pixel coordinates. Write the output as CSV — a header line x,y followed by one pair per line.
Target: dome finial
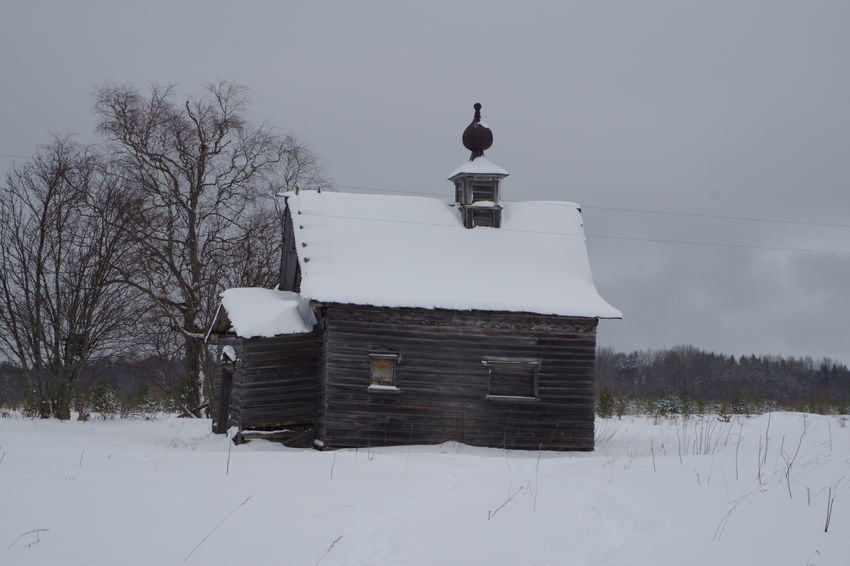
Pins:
x,y
477,137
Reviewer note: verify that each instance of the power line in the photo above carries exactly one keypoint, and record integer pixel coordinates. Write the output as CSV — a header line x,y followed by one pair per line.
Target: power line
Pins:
x,y
719,216
437,224
393,191
721,244
596,236
640,210
13,155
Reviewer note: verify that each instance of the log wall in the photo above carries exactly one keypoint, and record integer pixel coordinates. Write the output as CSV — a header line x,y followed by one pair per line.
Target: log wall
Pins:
x,y
275,381
442,384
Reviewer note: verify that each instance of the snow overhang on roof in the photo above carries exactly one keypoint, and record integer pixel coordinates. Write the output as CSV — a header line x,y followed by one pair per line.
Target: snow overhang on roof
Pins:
x,y
405,251
478,166
254,311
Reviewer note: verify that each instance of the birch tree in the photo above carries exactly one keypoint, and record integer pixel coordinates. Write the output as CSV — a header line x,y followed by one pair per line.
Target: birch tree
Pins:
x,y
205,179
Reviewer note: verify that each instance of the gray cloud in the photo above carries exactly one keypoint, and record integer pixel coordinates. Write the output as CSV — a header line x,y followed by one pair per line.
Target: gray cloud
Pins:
x,y
727,108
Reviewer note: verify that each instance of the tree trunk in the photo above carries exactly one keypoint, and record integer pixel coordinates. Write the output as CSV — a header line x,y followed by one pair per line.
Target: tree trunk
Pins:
x,y
194,361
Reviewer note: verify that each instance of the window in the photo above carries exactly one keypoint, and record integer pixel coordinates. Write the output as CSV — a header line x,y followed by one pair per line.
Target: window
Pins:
x,y
486,216
484,190
382,372
513,379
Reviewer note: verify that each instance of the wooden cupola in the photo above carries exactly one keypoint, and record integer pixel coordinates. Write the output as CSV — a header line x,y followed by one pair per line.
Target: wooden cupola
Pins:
x,y
477,181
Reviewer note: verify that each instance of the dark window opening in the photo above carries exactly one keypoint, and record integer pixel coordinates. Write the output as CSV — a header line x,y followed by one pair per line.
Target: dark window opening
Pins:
x,y
486,216
513,378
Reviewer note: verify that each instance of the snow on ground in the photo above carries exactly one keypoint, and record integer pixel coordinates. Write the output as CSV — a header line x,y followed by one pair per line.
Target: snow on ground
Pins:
x,y
672,491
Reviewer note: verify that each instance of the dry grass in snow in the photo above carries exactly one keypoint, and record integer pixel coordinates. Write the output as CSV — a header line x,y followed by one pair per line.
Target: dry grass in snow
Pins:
x,y
757,490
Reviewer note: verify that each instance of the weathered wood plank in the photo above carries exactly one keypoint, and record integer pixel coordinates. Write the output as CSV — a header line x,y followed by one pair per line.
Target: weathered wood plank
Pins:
x,y
276,381
443,384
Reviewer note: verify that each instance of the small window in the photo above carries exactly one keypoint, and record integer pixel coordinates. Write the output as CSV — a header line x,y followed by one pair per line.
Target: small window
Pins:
x,y
487,216
382,372
512,379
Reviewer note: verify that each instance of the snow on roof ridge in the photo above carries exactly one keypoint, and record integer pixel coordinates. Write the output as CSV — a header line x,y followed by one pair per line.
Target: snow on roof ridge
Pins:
x,y
478,165
411,251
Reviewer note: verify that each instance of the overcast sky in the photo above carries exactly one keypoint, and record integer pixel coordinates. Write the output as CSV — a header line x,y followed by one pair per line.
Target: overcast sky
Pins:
x,y
721,108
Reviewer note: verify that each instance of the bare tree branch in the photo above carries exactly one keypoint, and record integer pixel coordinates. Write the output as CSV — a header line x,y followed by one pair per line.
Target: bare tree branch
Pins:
x,y
206,218
62,302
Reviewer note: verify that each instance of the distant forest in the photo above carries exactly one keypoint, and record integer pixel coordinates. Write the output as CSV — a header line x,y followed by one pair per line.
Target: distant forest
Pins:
x,y
683,371
687,371
125,376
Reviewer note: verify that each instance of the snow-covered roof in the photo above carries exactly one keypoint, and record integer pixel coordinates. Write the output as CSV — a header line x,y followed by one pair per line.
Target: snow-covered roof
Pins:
x,y
255,311
406,251
480,166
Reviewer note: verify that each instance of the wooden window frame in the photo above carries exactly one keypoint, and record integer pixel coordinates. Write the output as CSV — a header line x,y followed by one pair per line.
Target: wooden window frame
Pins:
x,y
493,363
382,386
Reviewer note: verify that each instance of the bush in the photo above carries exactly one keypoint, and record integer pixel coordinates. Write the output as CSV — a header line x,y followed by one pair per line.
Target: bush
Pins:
x,y
763,405
608,405
30,408
605,404
143,404
688,406
637,406
621,407
668,404
105,401
738,405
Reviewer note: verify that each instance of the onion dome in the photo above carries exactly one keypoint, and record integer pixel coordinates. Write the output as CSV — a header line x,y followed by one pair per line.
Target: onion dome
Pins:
x,y
477,137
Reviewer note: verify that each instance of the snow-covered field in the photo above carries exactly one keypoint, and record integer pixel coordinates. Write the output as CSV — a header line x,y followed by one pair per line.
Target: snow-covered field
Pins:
x,y
695,491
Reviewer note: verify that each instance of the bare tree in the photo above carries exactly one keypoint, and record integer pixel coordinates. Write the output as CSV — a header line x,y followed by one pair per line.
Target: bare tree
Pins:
x,y
301,168
206,179
62,300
